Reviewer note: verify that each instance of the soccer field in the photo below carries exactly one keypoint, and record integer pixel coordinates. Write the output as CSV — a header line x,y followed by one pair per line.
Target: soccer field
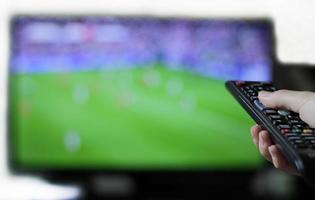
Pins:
x,y
139,118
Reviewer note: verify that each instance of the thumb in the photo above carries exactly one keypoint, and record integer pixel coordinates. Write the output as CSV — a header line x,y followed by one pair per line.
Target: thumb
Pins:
x,y
285,99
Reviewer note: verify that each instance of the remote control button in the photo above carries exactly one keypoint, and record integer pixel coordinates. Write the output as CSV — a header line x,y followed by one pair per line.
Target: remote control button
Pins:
x,y
298,141
291,134
250,91
283,112
248,95
270,111
278,121
294,121
296,130
306,134
307,130
294,138
259,105
309,138
247,88
251,95
260,88
274,117
286,130
299,126
253,98
283,126
293,117
243,90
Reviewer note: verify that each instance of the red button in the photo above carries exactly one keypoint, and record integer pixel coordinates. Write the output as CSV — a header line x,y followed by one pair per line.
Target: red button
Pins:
x,y
240,83
285,130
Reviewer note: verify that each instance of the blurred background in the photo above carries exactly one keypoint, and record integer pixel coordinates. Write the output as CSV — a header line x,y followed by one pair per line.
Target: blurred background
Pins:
x,y
126,99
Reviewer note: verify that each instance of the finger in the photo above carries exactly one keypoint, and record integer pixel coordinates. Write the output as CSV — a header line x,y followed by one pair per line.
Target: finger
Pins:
x,y
279,160
264,143
291,100
255,133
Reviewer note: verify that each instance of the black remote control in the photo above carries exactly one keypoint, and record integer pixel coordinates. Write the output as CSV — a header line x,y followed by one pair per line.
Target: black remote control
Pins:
x,y
295,138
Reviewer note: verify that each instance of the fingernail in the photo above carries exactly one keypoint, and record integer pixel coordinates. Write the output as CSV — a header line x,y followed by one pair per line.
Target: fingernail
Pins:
x,y
261,140
264,135
273,157
264,94
270,151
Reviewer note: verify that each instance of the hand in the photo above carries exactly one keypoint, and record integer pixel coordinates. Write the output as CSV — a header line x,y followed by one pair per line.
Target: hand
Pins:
x,y
300,102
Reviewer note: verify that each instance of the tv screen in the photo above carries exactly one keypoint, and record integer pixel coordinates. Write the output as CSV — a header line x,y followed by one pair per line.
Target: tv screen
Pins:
x,y
132,92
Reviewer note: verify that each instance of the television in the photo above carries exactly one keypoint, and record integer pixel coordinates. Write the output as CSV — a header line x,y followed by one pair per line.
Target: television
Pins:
x,y
132,93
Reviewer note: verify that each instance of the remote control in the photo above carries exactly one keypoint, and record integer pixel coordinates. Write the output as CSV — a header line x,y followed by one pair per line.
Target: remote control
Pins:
x,y
295,138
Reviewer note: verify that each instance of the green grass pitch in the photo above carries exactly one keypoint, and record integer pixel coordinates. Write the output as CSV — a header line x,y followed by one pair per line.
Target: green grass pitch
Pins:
x,y
140,118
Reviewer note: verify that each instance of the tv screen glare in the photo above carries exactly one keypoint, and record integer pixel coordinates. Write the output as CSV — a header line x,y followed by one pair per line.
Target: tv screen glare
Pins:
x,y
132,92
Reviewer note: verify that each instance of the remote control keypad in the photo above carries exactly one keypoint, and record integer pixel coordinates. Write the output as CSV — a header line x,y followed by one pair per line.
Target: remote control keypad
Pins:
x,y
299,134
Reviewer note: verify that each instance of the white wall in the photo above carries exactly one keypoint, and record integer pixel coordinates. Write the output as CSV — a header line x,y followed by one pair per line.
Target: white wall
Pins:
x,y
294,22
